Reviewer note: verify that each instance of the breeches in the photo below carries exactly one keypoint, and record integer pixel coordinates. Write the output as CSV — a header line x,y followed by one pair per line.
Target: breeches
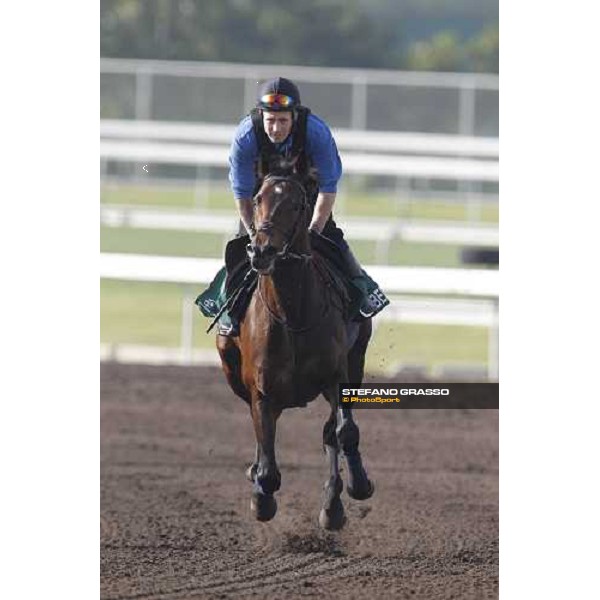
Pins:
x,y
335,234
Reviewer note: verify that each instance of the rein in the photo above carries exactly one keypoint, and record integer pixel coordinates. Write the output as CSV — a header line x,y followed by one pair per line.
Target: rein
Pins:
x,y
284,321
286,254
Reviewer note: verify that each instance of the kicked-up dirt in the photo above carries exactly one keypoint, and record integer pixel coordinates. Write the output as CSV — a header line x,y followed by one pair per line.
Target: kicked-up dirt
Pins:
x,y
176,521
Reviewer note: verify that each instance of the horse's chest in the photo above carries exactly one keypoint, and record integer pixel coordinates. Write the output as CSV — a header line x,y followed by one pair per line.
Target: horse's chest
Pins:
x,y
297,373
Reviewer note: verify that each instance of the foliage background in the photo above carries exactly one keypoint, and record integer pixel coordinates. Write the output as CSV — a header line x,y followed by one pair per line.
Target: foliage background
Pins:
x,y
398,34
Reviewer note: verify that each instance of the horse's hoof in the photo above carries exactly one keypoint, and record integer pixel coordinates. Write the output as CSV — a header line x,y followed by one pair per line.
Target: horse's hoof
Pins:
x,y
363,492
333,518
263,506
251,472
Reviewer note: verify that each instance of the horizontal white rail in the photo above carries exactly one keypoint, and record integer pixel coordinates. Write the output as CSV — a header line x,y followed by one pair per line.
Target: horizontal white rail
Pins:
x,y
393,280
346,139
371,164
301,73
438,311
354,228
478,305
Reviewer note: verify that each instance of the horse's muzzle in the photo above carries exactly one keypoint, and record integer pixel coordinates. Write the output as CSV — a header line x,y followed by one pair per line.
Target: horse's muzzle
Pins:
x,y
262,258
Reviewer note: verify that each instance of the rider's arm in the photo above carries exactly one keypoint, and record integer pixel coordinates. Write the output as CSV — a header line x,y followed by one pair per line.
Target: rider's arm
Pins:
x,y
246,211
322,210
324,155
242,156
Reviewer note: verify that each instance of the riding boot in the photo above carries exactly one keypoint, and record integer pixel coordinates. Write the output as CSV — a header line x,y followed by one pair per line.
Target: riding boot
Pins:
x,y
357,277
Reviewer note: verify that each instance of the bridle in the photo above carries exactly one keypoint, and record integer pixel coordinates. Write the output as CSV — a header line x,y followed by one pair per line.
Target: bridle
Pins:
x,y
268,225
285,253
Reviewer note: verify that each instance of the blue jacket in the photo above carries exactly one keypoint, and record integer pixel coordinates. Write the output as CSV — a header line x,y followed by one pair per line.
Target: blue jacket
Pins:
x,y
320,148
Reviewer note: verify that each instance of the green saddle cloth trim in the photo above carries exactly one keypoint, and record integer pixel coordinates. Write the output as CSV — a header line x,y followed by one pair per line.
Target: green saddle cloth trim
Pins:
x,y
211,300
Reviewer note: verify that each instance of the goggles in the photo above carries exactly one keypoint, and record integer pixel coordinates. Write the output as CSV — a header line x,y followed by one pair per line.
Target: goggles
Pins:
x,y
276,101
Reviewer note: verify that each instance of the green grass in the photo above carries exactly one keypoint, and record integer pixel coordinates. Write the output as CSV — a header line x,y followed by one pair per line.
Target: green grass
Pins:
x,y
150,314
429,345
197,244
355,204
147,196
157,241
386,205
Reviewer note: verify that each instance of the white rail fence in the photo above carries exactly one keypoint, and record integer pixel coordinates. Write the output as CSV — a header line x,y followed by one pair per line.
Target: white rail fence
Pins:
x,y
346,139
383,231
455,103
208,145
420,295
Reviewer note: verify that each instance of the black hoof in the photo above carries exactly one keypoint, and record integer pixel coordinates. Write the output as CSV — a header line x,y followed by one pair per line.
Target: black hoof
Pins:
x,y
333,518
263,506
361,492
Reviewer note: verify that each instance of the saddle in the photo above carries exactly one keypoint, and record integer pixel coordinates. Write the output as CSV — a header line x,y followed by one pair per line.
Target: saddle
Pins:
x,y
232,288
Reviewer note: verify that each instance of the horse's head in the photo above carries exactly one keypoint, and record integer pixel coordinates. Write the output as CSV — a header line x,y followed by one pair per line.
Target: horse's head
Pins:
x,y
281,214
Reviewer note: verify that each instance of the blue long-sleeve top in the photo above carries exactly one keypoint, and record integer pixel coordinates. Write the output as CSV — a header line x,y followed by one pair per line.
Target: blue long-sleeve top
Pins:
x,y
320,148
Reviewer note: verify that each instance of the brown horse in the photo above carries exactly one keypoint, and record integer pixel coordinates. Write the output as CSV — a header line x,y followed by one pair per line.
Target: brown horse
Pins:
x,y
295,344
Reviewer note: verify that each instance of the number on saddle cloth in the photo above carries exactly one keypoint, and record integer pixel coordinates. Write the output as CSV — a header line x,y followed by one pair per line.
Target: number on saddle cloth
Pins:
x,y
331,253
229,280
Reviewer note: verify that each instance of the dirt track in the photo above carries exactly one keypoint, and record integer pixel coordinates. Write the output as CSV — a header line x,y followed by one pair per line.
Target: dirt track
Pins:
x,y
176,520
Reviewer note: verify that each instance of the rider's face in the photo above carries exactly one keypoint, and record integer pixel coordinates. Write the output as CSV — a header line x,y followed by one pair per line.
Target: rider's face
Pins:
x,y
278,125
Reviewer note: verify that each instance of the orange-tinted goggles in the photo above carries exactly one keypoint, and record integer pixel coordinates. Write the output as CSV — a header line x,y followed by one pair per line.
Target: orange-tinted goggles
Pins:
x,y
276,100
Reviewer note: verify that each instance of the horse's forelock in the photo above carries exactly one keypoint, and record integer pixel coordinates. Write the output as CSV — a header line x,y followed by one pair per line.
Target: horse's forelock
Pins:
x,y
288,171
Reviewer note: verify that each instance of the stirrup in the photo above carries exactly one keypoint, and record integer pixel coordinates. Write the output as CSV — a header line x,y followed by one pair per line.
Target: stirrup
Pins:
x,y
228,329
373,303
366,313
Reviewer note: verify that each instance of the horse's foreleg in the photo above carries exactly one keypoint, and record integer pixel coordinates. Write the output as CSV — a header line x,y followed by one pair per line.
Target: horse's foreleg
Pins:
x,y
251,470
231,362
332,512
267,479
359,486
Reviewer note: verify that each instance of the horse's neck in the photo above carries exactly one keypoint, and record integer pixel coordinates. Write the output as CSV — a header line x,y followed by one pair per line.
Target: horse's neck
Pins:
x,y
293,292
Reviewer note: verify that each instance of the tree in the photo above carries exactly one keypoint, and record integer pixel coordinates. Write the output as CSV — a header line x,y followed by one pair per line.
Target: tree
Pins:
x,y
444,52
313,32
483,51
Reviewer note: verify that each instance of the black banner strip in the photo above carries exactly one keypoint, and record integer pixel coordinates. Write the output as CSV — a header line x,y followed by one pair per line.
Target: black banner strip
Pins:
x,y
419,395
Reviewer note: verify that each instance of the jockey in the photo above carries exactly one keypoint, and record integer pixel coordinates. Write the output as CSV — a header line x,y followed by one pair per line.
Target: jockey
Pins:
x,y
280,125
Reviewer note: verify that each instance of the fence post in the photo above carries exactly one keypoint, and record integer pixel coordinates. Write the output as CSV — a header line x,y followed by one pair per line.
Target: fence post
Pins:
x,y
187,324
359,103
493,344
250,87
201,186
466,106
143,94
466,126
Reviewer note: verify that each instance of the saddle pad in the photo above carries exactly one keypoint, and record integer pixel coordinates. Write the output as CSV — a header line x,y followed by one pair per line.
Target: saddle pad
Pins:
x,y
237,265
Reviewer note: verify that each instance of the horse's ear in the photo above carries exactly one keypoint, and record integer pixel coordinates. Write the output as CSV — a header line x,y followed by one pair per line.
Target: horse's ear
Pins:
x,y
294,163
290,166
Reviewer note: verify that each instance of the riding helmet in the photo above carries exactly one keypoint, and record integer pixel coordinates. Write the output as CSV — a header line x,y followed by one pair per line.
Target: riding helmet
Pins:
x,y
280,86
